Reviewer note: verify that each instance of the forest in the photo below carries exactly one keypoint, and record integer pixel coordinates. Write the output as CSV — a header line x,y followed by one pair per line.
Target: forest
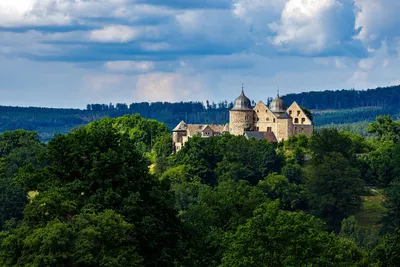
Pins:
x,y
112,194
353,108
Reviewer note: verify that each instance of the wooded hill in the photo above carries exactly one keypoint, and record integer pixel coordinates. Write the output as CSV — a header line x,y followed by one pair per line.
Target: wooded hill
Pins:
x,y
328,107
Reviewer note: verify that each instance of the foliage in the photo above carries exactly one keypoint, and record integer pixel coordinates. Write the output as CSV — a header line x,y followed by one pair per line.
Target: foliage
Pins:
x,y
228,157
217,210
365,238
334,189
387,254
280,238
91,170
290,195
87,240
385,129
112,194
392,203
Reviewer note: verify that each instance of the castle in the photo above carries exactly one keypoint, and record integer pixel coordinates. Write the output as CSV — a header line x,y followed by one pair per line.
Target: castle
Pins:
x,y
274,123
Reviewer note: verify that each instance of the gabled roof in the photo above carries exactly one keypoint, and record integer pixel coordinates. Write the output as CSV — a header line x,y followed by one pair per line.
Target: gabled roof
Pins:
x,y
194,128
217,128
226,127
199,128
182,126
295,105
261,106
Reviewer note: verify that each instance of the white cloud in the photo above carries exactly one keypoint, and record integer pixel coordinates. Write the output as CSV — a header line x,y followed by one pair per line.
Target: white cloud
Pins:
x,y
31,12
115,34
381,68
378,21
258,13
313,26
169,87
98,83
123,66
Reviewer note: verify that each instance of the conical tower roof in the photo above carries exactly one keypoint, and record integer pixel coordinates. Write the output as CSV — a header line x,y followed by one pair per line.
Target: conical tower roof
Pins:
x,y
182,126
242,102
277,105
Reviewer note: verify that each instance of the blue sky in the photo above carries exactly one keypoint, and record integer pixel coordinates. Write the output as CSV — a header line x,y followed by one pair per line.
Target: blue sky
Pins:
x,y
67,53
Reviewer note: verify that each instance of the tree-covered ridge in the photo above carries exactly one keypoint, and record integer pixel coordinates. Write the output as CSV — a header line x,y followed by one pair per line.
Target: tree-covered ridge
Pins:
x,y
383,97
112,194
328,107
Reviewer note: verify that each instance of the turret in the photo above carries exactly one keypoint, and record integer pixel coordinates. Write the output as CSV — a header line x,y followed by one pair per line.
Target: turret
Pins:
x,y
241,116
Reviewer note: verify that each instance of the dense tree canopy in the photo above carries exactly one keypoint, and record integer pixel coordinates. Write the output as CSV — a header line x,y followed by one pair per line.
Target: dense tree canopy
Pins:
x,y
112,194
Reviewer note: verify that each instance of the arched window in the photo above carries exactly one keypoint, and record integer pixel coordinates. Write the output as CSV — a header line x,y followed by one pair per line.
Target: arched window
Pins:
x,y
267,119
298,113
290,112
296,120
274,120
303,120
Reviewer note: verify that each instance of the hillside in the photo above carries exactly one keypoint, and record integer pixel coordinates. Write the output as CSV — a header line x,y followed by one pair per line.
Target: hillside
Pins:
x,y
334,108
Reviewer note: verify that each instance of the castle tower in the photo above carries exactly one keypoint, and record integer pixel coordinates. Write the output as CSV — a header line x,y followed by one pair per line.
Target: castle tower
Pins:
x,y
277,106
241,116
284,121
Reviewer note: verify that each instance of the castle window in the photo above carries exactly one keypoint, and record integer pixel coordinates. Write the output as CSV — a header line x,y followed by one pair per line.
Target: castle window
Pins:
x,y
274,120
296,120
269,129
290,112
258,111
303,120
302,130
298,113
266,111
258,118
267,119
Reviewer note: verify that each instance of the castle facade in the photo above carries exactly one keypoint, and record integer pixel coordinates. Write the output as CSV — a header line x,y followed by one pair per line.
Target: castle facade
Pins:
x,y
274,123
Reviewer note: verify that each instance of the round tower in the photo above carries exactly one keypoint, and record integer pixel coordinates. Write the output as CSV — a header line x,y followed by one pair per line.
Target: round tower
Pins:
x,y
241,116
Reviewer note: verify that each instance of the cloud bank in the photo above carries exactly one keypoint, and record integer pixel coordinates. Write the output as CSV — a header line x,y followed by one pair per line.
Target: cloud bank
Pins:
x,y
173,50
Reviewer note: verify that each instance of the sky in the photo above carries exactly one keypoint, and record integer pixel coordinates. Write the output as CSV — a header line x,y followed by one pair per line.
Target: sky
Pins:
x,y
68,53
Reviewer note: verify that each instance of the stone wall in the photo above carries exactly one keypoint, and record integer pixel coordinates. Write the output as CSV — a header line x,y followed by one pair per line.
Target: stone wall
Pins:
x,y
284,129
240,121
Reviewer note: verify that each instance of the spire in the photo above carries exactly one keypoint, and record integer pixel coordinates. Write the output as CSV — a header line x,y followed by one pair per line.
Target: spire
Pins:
x,y
242,89
278,92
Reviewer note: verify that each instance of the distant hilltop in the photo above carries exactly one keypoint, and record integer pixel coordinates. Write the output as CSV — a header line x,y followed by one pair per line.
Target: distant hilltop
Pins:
x,y
384,97
328,107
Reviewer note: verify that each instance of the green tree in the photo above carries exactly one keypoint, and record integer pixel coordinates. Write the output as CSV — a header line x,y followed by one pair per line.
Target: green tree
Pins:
x,y
273,237
387,254
334,189
391,220
97,168
290,195
365,238
217,210
307,112
294,173
326,141
103,239
12,201
385,129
